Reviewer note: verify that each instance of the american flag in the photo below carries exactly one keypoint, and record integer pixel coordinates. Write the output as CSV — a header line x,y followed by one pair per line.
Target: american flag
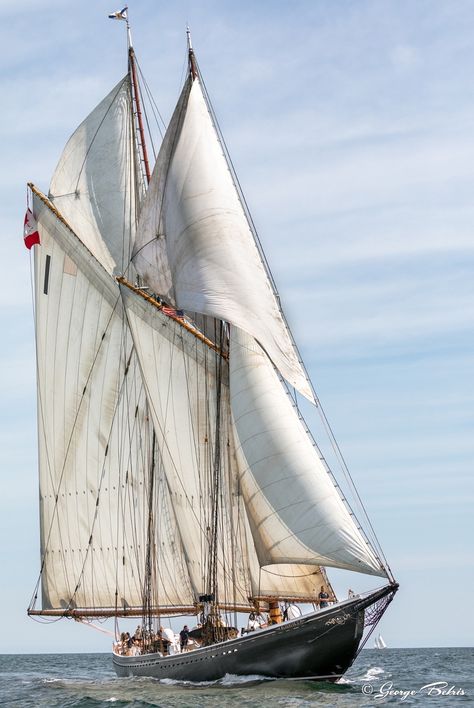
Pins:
x,y
172,312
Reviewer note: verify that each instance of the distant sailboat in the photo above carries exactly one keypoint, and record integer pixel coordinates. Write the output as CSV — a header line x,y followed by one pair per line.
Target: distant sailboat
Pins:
x,y
176,474
379,642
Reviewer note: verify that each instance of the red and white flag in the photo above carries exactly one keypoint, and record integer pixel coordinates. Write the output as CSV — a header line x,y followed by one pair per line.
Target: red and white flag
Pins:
x,y
30,233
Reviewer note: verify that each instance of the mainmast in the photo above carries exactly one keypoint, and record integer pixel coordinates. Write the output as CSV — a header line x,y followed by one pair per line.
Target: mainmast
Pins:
x,y
213,628
213,618
150,551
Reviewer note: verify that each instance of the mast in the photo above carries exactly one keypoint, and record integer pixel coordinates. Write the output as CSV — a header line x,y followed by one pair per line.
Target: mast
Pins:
x,y
216,491
138,112
211,602
192,58
150,555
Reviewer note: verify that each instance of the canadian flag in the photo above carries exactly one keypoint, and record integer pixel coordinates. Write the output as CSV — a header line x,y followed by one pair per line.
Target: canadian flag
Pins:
x,y
30,232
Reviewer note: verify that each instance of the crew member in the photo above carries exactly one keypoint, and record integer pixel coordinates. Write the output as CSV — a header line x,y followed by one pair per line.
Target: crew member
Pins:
x,y
323,598
184,637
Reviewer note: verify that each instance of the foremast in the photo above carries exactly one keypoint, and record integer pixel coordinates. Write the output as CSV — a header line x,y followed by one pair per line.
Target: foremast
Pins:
x,y
142,146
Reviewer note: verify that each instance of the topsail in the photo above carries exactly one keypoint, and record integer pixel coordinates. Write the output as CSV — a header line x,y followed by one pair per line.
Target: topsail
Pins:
x,y
96,185
194,244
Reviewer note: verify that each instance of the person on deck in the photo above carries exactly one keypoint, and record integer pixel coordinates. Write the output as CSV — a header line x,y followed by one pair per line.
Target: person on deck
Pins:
x,y
323,598
184,637
252,623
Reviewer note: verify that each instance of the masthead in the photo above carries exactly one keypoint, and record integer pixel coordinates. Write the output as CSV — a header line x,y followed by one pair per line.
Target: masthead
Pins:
x,y
192,60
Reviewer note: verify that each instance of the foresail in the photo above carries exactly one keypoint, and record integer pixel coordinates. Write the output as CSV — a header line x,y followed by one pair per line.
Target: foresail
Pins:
x,y
95,439
95,182
194,245
295,512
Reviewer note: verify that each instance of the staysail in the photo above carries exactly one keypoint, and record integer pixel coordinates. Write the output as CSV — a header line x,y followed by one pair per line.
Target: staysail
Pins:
x,y
194,245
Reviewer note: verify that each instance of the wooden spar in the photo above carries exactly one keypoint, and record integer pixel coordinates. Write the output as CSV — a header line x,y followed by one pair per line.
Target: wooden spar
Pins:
x,y
285,598
195,332
181,611
123,281
105,612
136,96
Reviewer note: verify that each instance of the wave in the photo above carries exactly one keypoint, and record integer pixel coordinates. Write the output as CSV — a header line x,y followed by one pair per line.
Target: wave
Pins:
x,y
372,674
227,680
233,679
52,680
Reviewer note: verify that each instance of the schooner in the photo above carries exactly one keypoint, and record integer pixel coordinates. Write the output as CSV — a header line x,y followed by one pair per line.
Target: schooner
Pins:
x,y
177,476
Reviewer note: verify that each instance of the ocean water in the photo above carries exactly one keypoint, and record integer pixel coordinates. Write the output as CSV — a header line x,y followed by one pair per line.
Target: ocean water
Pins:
x,y
405,677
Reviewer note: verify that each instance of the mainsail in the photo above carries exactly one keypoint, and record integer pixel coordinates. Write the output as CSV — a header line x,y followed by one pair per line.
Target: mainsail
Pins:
x,y
172,462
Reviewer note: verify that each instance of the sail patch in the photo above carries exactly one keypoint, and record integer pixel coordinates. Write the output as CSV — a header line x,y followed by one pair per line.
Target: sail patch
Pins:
x,y
69,267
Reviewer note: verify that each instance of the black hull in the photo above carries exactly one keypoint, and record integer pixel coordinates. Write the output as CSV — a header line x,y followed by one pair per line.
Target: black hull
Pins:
x,y
319,646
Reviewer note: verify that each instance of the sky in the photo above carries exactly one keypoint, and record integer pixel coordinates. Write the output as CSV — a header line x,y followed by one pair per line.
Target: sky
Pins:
x,y
351,127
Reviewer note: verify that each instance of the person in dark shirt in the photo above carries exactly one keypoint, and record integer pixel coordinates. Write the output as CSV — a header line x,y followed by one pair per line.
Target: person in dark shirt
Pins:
x,y
184,637
323,598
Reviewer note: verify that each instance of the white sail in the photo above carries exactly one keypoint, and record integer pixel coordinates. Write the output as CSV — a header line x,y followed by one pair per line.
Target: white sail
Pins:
x,y
94,438
95,452
94,184
194,244
288,581
179,372
170,468
295,511
180,375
